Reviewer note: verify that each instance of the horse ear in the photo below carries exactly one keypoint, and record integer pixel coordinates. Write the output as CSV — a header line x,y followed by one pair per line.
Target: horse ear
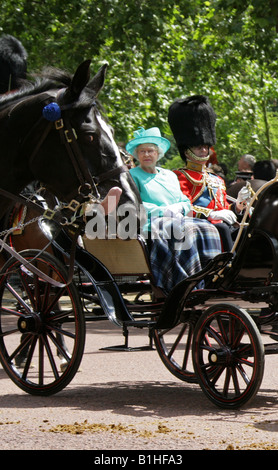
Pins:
x,y
80,79
97,81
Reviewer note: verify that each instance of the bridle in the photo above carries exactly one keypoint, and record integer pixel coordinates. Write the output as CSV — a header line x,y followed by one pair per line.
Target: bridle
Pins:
x,y
88,188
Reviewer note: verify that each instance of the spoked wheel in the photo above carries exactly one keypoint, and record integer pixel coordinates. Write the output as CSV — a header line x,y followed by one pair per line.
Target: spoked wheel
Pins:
x,y
228,355
42,327
174,347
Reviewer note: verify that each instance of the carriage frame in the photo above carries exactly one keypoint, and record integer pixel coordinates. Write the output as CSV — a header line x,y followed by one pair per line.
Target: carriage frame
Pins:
x,y
210,336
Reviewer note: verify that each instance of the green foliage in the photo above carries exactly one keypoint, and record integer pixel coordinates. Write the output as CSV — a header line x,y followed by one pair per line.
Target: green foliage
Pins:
x,y
174,163
159,51
273,119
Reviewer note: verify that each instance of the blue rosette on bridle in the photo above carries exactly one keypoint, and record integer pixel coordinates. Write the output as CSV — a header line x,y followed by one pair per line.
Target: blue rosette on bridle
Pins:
x,y
52,112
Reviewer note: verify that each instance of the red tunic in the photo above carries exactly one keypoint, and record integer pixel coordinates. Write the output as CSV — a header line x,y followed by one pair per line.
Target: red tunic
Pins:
x,y
205,190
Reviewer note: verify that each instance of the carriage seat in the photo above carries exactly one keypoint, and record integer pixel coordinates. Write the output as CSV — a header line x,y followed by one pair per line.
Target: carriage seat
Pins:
x,y
121,257
128,262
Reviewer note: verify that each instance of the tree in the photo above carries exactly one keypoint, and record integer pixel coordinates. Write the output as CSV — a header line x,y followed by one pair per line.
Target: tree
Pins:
x,y
159,51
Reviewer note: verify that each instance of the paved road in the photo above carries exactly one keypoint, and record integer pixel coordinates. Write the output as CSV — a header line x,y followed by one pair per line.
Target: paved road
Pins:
x,y
129,400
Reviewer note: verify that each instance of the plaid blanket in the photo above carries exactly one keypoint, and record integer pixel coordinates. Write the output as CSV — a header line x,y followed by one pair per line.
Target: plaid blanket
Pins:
x,y
173,260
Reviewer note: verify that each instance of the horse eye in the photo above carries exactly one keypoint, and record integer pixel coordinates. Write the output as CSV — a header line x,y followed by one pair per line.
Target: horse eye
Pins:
x,y
89,138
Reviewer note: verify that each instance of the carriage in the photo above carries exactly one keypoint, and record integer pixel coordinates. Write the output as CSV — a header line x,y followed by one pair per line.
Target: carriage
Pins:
x,y
216,336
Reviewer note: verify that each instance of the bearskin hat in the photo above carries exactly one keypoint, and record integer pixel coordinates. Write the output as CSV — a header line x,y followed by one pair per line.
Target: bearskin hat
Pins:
x,y
192,121
13,63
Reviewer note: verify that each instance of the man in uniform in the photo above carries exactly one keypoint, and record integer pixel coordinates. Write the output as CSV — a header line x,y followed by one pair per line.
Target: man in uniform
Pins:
x,y
192,121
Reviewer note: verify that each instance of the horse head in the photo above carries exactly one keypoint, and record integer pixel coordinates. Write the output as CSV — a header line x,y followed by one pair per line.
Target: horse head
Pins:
x,y
53,132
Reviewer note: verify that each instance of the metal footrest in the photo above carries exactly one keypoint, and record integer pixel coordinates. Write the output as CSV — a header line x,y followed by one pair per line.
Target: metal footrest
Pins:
x,y
125,346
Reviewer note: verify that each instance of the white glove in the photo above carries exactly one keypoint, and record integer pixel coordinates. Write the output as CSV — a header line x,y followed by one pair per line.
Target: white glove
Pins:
x,y
226,215
173,210
243,198
244,195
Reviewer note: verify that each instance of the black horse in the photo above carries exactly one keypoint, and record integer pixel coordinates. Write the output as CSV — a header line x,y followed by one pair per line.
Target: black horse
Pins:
x,y
52,131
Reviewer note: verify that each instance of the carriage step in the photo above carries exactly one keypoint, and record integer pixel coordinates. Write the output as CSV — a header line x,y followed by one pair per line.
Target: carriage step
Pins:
x,y
140,323
125,346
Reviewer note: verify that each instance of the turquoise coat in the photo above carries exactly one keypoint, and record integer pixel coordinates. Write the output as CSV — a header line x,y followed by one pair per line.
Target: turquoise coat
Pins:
x,y
160,191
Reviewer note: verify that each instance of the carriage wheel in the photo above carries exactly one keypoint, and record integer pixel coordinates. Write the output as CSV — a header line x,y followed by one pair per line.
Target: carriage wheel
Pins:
x,y
174,348
228,355
42,327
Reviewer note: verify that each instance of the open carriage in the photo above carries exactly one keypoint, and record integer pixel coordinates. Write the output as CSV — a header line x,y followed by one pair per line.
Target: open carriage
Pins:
x,y
211,336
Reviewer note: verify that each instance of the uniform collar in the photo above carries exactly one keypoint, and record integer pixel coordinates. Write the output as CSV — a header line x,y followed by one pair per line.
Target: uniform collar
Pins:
x,y
195,166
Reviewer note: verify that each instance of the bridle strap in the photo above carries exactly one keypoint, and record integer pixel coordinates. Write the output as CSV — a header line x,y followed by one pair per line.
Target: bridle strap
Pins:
x,y
110,174
42,138
69,139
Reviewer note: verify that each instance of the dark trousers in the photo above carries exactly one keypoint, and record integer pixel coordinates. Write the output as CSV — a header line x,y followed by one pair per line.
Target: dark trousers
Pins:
x,y
227,235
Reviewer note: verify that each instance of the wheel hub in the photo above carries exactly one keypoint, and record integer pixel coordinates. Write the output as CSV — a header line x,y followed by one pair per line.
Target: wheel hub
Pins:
x,y
30,324
221,356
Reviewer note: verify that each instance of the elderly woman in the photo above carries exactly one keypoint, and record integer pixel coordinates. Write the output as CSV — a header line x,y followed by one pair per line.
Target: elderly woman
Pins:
x,y
179,245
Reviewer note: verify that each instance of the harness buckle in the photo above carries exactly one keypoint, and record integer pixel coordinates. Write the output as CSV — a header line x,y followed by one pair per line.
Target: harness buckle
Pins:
x,y
48,214
73,205
69,139
59,124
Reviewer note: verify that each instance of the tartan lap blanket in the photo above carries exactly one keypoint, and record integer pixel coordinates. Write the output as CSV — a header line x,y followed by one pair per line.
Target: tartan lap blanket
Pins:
x,y
176,254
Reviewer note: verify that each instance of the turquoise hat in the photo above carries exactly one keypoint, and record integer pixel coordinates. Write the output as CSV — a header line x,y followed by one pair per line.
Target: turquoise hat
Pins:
x,y
147,136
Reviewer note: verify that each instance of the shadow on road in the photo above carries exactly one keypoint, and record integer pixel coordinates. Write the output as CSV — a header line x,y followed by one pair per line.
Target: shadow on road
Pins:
x,y
139,399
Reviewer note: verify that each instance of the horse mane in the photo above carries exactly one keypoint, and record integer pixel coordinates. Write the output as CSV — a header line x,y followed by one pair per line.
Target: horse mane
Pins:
x,y
49,79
